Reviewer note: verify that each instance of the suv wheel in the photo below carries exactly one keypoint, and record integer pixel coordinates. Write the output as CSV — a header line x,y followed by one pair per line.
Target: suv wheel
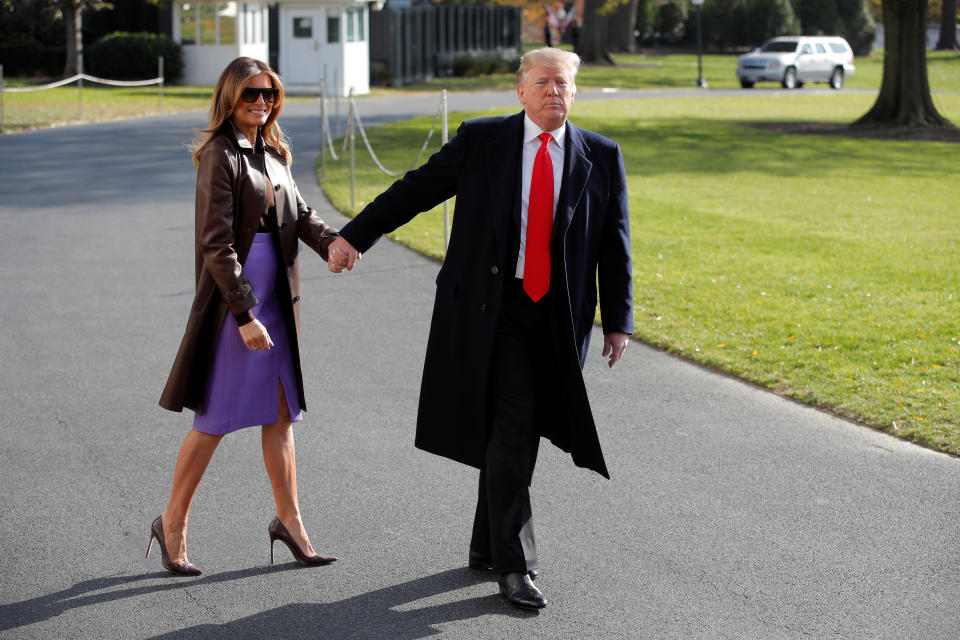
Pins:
x,y
746,84
836,78
789,78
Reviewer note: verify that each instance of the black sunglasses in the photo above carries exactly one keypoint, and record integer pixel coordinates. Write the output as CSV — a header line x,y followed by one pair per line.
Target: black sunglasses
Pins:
x,y
251,94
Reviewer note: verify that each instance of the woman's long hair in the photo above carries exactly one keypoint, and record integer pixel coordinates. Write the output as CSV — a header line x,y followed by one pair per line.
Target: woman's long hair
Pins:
x,y
226,94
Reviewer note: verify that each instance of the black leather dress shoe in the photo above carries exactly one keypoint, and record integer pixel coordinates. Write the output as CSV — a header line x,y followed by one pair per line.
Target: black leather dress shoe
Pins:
x,y
480,563
519,590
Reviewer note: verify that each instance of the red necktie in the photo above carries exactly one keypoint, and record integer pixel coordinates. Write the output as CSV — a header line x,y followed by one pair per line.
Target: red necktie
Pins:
x,y
536,264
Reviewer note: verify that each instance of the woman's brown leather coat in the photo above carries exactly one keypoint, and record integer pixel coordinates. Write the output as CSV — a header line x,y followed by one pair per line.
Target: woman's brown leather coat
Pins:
x,y
231,198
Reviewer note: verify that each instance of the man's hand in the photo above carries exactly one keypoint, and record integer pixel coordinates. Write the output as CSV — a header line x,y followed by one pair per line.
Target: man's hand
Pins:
x,y
341,255
614,344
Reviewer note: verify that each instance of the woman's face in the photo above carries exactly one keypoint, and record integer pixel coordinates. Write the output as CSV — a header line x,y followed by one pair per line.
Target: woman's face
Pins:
x,y
248,116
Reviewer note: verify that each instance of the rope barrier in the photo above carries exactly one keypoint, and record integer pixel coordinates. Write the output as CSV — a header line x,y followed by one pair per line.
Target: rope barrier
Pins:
x,y
83,76
52,85
124,83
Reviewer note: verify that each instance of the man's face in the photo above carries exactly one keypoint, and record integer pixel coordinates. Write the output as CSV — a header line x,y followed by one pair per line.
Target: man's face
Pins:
x,y
547,95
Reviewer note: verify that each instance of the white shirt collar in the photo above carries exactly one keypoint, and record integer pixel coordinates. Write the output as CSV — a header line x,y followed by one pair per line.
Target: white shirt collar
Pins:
x,y
531,131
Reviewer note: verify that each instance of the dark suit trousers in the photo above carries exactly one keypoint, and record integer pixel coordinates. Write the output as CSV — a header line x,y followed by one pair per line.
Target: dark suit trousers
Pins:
x,y
523,364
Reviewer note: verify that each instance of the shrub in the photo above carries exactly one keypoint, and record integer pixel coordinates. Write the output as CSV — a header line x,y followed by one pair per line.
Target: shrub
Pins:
x,y
729,24
848,18
669,24
646,19
472,64
133,56
27,57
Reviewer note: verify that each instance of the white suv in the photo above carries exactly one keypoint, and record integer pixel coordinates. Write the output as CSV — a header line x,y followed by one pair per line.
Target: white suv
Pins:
x,y
795,60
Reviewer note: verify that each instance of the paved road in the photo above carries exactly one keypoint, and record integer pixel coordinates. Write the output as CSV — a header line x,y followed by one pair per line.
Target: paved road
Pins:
x,y
732,513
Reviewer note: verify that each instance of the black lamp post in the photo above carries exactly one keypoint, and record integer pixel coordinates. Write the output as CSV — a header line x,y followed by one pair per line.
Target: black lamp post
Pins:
x,y
701,82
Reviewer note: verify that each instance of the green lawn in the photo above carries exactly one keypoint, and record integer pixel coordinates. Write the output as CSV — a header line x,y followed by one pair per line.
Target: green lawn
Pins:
x,y
680,70
824,268
59,106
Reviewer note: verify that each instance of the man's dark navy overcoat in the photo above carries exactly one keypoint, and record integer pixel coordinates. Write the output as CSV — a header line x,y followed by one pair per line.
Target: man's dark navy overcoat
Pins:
x,y
590,247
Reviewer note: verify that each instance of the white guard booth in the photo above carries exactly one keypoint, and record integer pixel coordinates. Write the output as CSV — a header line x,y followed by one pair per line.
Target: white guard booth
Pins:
x,y
324,40
214,32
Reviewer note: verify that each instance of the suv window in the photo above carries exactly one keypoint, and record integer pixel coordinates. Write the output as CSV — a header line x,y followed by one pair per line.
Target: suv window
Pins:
x,y
838,47
820,48
807,49
783,46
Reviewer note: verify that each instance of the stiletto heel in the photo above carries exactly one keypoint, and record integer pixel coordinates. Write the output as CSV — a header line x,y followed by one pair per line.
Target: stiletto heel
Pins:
x,y
279,532
182,568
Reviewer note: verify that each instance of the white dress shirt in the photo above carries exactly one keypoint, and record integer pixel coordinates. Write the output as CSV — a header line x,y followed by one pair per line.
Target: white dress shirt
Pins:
x,y
531,144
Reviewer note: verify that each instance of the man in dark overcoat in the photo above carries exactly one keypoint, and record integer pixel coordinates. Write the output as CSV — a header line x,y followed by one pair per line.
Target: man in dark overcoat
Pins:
x,y
541,220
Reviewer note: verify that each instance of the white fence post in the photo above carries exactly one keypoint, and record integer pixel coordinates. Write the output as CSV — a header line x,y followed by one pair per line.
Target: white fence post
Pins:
x,y
1,99
352,136
323,131
160,75
80,86
443,141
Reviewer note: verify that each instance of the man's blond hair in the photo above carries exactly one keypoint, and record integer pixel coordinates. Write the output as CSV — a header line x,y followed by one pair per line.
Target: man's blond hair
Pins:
x,y
549,57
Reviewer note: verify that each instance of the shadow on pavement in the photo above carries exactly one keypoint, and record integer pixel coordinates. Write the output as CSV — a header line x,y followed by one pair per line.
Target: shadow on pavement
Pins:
x,y
369,615
92,592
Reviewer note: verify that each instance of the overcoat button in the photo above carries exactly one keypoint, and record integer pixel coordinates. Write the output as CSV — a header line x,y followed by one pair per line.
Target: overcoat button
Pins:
x,y
290,263
483,306
295,299
276,187
283,224
494,270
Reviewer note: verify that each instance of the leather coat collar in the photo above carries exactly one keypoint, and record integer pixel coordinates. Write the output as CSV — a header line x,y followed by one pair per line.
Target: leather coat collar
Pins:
x,y
242,141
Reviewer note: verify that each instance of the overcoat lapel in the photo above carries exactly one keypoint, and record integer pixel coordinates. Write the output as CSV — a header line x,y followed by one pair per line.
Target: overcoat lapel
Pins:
x,y
576,172
502,158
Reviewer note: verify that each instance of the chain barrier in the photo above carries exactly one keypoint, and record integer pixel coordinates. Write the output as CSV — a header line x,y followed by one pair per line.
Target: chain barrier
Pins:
x,y
354,124
358,123
376,160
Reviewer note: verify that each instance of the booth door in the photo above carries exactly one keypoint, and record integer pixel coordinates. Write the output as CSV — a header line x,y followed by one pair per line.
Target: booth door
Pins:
x,y
300,60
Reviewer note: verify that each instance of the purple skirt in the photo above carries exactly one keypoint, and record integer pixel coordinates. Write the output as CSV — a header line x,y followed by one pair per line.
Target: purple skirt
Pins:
x,y
242,390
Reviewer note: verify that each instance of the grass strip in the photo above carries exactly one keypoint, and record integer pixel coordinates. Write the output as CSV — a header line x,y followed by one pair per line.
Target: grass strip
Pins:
x,y
821,267
680,70
59,106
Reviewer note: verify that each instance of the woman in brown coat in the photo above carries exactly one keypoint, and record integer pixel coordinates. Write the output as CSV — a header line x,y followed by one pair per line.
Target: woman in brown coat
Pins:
x,y
243,369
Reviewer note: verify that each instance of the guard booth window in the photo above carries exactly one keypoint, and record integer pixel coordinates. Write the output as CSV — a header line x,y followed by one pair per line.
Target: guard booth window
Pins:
x,y
333,29
303,27
188,24
355,27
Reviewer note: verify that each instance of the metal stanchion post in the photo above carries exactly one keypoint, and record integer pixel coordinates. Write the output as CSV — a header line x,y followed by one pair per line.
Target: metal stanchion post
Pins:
x,y
80,87
323,132
350,128
701,82
1,99
160,75
443,140
337,94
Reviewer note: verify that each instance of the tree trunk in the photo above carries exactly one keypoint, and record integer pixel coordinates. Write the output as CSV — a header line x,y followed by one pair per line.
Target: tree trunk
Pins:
x,y
904,99
623,21
592,45
948,27
72,19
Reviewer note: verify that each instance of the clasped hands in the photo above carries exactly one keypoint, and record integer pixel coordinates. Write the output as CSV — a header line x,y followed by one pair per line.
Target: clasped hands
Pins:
x,y
341,255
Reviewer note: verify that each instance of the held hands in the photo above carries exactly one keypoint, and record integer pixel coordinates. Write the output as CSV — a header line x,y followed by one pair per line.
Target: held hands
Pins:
x,y
341,255
614,344
255,336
